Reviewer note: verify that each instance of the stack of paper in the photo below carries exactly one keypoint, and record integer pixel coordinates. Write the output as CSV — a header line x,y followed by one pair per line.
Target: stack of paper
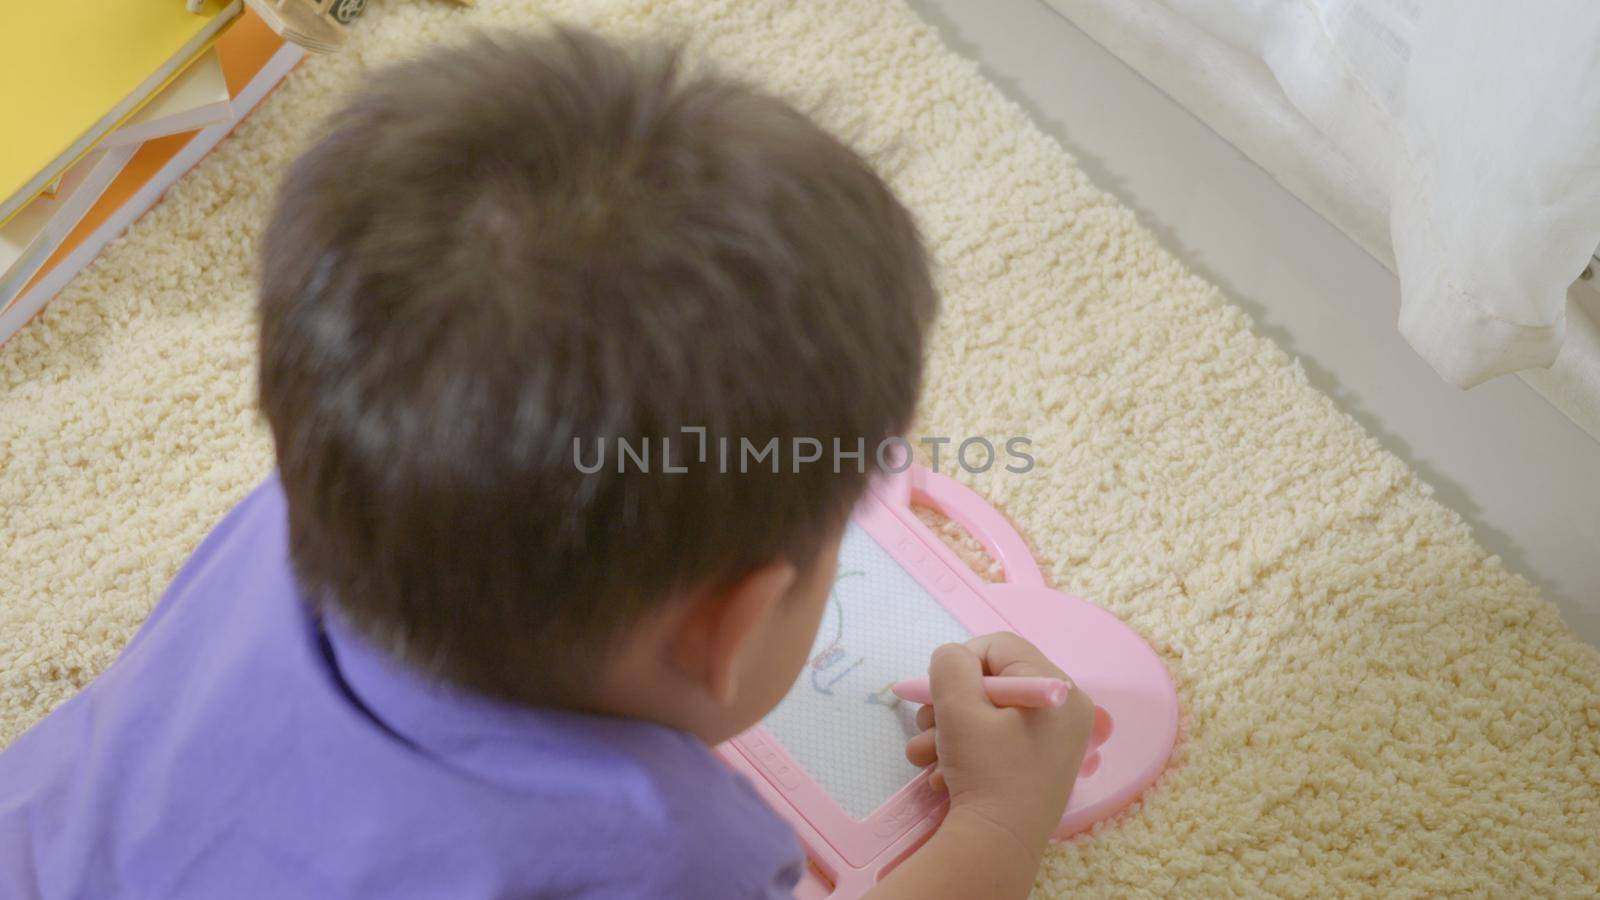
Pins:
x,y
124,96
79,70
196,98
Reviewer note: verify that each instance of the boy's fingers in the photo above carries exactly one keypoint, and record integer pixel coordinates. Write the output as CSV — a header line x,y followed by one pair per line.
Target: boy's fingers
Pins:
x,y
1005,653
955,678
922,750
925,718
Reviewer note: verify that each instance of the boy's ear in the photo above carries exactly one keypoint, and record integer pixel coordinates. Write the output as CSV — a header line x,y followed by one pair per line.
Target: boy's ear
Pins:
x,y
715,631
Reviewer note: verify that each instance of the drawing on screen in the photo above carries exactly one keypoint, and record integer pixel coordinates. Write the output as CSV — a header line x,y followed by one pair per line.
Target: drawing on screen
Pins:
x,y
838,723
834,654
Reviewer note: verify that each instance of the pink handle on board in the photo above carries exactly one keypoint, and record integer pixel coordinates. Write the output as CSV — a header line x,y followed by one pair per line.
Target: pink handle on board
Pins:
x,y
987,525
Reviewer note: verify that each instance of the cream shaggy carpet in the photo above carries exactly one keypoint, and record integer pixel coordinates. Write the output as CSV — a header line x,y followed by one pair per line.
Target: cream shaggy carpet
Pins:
x,y
1372,703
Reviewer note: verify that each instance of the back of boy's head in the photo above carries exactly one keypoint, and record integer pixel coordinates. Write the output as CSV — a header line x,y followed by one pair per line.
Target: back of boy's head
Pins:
x,y
500,250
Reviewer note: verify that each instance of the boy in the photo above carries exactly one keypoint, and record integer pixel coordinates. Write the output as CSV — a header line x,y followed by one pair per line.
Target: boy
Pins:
x,y
436,657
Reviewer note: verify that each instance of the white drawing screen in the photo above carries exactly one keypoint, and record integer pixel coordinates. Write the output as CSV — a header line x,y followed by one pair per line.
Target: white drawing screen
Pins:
x,y
837,721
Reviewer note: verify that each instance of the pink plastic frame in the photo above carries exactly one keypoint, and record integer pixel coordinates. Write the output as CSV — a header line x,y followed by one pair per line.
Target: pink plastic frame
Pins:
x,y
1136,715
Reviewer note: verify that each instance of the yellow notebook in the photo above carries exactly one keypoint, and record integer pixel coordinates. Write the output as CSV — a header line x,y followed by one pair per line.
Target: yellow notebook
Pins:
x,y
70,71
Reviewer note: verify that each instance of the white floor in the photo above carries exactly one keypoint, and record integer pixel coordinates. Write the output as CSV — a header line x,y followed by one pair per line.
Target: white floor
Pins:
x,y
1524,477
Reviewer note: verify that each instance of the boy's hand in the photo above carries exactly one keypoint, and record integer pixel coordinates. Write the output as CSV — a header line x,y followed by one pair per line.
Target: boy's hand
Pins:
x,y
1005,768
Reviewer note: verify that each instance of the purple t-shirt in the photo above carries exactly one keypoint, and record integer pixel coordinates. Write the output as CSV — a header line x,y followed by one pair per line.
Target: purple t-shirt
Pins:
x,y
238,748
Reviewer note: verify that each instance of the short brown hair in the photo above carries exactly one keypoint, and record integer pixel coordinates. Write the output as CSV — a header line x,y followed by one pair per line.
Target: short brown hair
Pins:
x,y
499,250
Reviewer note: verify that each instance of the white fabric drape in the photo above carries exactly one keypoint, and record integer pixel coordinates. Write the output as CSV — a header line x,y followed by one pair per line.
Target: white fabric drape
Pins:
x,y
1459,142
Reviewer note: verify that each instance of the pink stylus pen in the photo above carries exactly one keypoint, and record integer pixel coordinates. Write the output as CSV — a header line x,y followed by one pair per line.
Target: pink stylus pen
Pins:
x,y
1040,693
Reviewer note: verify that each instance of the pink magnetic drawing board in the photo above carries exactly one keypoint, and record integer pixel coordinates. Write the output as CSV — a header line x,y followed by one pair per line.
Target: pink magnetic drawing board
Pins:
x,y
830,757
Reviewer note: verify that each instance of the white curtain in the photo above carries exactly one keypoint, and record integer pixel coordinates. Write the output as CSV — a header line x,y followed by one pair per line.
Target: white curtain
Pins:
x,y
1459,142
1497,193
